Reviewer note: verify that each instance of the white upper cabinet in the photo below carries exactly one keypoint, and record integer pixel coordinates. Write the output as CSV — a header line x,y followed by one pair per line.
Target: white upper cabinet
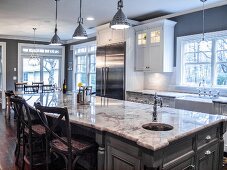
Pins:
x,y
107,35
155,46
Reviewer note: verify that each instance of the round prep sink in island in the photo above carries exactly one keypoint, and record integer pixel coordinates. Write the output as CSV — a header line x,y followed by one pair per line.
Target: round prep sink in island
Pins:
x,y
155,126
196,139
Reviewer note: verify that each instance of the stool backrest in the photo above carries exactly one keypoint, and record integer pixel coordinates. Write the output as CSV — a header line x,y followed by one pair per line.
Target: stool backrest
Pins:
x,y
61,113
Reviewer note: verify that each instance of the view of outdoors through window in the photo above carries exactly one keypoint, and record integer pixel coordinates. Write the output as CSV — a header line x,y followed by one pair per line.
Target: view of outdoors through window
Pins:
x,y
86,66
48,69
207,64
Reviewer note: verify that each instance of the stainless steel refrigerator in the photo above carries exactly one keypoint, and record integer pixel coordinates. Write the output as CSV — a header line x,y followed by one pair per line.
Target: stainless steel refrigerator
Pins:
x,y
110,71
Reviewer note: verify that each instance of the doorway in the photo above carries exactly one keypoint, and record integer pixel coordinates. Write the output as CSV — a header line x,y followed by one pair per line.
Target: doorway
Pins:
x,y
2,73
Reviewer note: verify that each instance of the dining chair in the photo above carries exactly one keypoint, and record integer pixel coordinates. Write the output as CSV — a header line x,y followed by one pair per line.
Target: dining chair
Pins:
x,y
19,86
31,89
47,88
40,84
30,135
63,144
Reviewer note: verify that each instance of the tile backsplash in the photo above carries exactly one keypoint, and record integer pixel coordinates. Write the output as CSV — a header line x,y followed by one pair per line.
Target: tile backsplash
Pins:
x,y
160,81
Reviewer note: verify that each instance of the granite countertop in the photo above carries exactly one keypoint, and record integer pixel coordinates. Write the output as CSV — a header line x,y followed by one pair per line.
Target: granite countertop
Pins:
x,y
125,119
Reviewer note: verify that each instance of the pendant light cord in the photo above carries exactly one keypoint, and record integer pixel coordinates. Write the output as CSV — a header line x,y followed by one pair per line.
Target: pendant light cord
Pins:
x,y
34,37
203,20
56,16
80,19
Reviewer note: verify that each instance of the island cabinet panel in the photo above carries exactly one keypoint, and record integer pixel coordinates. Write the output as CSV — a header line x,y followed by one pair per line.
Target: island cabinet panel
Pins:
x,y
180,154
208,158
121,155
120,160
207,136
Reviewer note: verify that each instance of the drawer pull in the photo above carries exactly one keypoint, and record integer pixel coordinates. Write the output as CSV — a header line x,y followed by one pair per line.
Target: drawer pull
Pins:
x,y
208,138
208,152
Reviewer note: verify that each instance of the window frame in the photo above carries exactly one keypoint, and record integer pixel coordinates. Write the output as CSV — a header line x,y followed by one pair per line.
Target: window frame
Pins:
x,y
180,65
88,54
60,55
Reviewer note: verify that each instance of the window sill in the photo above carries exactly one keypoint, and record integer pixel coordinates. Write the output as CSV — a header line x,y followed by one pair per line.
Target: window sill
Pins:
x,y
194,89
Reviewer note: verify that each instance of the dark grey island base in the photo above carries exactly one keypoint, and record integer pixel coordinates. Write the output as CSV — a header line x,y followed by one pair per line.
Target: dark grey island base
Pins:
x,y
195,142
202,150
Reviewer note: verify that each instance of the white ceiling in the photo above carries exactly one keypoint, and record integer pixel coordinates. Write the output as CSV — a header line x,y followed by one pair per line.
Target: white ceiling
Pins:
x,y
18,17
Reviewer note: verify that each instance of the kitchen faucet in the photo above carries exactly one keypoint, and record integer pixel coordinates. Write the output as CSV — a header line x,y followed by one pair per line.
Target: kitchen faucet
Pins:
x,y
156,101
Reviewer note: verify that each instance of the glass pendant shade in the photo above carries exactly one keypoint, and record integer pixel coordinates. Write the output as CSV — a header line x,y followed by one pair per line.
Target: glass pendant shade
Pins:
x,y
55,40
119,21
80,33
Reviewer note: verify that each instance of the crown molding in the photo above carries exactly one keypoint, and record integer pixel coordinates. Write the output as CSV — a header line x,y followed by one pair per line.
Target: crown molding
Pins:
x,y
13,37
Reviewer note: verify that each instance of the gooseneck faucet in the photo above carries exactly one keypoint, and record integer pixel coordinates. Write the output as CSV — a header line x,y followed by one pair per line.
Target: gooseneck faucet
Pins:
x,y
156,101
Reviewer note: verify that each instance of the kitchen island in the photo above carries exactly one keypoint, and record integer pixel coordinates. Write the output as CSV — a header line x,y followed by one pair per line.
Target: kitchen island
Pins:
x,y
195,142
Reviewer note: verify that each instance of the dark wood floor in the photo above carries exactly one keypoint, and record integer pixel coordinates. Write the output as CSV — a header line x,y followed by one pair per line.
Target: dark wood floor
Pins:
x,y
7,142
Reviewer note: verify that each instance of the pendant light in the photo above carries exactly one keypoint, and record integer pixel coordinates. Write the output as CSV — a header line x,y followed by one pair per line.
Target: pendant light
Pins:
x,y
203,43
119,20
80,32
55,39
34,59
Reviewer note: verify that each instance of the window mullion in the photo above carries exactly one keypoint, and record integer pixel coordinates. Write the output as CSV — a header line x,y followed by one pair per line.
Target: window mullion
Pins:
x,y
213,63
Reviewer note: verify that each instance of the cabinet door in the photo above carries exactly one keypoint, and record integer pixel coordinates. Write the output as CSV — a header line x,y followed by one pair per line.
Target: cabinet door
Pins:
x,y
104,37
141,50
118,36
154,59
186,165
119,160
208,159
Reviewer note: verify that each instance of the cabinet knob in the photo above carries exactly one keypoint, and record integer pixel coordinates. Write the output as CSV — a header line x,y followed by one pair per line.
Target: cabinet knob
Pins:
x,y
208,138
208,152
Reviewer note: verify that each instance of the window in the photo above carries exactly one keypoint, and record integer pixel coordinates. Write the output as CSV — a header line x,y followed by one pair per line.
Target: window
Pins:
x,y
142,39
85,65
50,69
26,76
155,36
201,63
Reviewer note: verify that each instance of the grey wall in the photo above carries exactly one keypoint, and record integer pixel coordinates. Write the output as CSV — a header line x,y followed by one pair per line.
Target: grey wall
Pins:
x,y
12,59
215,20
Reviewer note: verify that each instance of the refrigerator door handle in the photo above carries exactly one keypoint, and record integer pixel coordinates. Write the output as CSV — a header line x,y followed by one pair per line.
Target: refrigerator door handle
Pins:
x,y
102,78
104,89
107,77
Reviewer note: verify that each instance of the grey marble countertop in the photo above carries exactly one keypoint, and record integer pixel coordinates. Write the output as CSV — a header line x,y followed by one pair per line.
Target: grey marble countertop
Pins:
x,y
125,119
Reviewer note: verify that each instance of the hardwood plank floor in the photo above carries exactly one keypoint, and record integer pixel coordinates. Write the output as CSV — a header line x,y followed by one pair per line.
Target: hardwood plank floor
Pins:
x,y
7,142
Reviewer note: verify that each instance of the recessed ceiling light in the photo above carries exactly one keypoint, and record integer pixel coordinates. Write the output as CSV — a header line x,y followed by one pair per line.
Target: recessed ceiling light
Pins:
x,y
90,18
